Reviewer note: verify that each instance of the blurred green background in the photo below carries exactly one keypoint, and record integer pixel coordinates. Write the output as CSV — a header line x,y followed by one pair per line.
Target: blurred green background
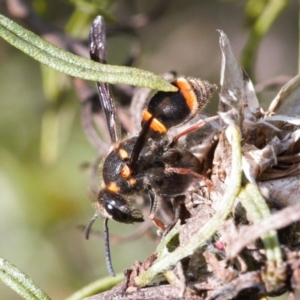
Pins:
x,y
44,192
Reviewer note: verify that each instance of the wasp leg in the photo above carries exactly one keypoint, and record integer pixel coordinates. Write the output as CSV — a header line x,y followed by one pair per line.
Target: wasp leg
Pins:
x,y
153,206
181,213
192,128
185,171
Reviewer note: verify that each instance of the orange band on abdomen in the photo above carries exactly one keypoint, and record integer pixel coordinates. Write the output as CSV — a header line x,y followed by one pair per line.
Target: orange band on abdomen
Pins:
x,y
155,124
188,93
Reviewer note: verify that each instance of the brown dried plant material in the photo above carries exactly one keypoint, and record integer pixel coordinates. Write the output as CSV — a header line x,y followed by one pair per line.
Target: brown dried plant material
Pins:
x,y
287,100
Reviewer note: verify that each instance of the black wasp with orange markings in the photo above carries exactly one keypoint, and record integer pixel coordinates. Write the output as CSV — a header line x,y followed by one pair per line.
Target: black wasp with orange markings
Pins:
x,y
149,162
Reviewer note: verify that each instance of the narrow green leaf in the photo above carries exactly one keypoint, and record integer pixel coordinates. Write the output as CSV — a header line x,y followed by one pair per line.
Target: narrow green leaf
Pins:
x,y
20,282
74,65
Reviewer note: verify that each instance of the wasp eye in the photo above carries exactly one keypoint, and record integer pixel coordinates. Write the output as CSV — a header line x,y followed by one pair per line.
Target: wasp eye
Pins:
x,y
118,213
118,208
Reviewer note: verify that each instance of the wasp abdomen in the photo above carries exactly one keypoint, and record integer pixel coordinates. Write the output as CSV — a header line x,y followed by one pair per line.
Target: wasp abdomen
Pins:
x,y
166,110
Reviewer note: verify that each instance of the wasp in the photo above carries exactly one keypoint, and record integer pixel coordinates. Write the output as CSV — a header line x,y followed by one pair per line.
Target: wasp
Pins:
x,y
148,162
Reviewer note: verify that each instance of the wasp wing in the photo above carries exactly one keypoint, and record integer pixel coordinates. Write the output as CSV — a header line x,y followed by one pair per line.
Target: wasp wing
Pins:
x,y
97,40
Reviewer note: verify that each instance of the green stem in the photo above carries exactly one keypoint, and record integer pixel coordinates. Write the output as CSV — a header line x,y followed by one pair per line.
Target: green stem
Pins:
x,y
261,26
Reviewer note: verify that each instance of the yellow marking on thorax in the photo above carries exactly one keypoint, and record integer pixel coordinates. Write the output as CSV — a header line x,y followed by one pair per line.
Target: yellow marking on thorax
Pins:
x,y
123,153
126,171
113,187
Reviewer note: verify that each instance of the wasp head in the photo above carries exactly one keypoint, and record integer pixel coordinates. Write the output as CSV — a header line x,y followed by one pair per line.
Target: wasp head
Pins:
x,y
115,206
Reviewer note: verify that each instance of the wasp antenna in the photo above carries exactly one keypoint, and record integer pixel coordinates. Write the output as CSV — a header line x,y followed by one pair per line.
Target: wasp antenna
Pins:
x,y
88,227
107,250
